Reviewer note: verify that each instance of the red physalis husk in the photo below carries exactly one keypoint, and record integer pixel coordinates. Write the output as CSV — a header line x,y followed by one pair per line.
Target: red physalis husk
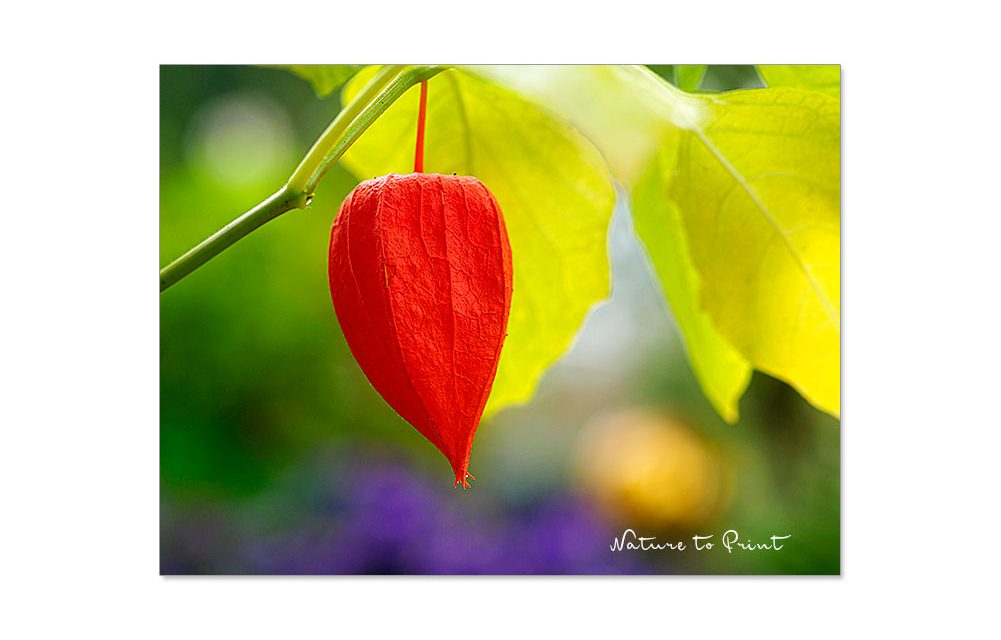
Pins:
x,y
420,275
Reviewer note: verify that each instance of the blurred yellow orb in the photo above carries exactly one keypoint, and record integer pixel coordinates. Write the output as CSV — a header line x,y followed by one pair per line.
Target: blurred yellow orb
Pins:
x,y
646,468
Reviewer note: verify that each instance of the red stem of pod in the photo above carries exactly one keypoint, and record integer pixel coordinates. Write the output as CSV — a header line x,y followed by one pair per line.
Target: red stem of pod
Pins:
x,y
421,117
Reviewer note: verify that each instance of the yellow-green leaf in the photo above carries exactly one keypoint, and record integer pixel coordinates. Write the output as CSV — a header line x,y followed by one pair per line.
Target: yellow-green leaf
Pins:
x,y
618,108
720,369
825,78
325,78
758,183
688,77
553,188
756,178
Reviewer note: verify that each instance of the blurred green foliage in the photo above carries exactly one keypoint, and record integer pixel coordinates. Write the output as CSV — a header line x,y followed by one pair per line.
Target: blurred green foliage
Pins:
x,y
254,369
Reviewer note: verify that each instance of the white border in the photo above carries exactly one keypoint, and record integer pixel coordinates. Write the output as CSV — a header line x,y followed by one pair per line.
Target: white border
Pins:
x,y
80,336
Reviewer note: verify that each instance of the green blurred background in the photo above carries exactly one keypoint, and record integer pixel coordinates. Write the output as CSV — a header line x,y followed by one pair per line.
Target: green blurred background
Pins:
x,y
277,456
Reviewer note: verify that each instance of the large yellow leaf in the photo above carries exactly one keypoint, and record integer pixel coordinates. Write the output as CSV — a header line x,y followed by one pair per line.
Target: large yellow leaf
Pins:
x,y
758,183
825,78
553,188
622,111
720,369
755,178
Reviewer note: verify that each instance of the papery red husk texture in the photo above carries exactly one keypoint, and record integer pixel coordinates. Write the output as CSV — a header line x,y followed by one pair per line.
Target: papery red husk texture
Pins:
x,y
420,275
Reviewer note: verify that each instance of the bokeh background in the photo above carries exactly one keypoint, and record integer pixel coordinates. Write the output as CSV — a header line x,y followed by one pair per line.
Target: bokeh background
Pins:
x,y
278,457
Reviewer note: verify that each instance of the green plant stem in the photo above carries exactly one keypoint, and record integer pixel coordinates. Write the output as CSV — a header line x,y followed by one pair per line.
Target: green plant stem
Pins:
x,y
339,143
281,202
384,89
304,174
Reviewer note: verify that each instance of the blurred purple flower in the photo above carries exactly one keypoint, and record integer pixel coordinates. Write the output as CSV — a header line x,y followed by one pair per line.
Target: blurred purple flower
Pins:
x,y
383,518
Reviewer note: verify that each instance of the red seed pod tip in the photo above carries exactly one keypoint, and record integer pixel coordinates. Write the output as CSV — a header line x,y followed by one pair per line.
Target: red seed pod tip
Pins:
x,y
459,479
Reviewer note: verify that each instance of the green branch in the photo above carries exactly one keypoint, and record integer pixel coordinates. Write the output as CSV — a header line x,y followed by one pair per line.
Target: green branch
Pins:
x,y
384,89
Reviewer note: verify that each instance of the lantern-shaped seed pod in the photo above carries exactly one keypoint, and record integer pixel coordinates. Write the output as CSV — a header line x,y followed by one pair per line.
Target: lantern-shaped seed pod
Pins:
x,y
420,275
